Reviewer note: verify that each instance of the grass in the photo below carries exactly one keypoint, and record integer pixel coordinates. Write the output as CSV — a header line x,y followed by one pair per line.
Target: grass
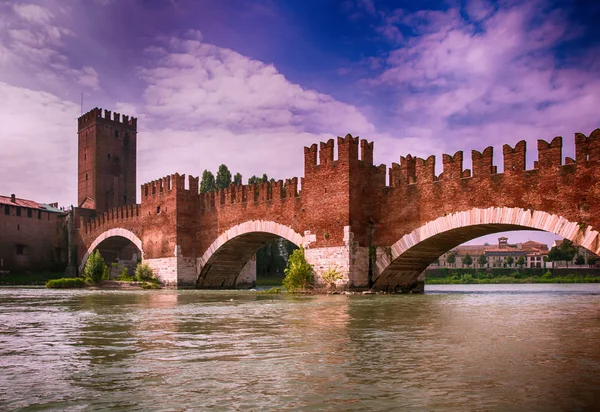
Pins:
x,y
34,278
272,291
66,283
515,277
273,280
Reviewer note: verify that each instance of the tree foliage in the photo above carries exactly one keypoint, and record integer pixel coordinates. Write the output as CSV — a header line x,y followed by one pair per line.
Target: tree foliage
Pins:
x,y
95,269
580,260
510,261
566,251
223,179
208,182
521,261
467,260
482,260
237,179
451,258
591,260
299,274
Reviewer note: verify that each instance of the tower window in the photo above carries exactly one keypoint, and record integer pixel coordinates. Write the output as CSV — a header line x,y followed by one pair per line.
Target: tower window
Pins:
x,y
109,155
116,134
125,199
158,210
86,176
84,156
20,250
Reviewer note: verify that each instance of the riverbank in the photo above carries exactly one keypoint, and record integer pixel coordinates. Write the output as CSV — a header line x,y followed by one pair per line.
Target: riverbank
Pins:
x,y
516,277
29,279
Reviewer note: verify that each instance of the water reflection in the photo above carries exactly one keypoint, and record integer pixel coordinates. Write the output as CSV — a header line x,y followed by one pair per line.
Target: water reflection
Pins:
x,y
450,349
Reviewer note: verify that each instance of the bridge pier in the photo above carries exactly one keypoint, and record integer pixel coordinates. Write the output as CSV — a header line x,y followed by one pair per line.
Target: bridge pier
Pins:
x,y
351,260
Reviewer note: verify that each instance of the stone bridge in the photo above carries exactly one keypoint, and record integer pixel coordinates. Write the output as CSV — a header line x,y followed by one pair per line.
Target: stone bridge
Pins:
x,y
379,234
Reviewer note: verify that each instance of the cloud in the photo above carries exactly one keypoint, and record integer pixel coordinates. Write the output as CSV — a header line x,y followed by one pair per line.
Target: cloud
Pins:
x,y
38,145
213,105
33,13
499,82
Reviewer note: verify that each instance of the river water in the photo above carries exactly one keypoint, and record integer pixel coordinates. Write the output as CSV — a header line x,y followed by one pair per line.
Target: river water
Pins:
x,y
455,348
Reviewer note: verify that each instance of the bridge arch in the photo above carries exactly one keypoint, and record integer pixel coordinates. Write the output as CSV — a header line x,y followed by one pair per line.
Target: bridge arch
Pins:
x,y
221,263
121,236
406,259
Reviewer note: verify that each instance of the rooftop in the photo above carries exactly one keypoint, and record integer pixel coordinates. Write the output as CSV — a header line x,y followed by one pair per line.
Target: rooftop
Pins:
x,y
31,204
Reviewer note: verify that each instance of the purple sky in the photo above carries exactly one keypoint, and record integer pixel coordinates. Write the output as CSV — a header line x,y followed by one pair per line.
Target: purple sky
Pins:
x,y
250,83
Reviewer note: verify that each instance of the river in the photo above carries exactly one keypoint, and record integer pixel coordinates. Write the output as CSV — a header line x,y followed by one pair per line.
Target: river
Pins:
x,y
454,348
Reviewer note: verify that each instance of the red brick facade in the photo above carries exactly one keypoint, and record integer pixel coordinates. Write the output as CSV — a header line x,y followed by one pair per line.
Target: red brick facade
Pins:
x,y
345,209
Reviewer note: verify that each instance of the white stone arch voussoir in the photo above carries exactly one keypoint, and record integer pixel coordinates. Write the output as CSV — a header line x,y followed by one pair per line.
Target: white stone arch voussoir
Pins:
x,y
112,233
515,216
252,226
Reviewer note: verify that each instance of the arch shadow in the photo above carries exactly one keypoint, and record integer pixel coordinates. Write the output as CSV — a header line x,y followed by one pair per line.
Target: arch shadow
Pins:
x,y
114,240
400,266
221,264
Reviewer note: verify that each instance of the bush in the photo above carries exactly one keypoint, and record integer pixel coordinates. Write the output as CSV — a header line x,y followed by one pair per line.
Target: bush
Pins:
x,y
64,283
152,285
299,274
95,270
143,272
331,276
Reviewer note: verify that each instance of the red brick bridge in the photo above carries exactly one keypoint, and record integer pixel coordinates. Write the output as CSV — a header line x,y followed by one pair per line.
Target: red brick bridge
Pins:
x,y
342,211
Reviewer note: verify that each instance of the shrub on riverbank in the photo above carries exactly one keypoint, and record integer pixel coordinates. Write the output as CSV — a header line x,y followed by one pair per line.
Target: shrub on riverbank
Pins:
x,y
65,283
299,274
144,273
95,269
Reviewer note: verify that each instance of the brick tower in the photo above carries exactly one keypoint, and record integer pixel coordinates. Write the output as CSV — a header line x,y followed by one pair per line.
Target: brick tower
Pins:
x,y
106,160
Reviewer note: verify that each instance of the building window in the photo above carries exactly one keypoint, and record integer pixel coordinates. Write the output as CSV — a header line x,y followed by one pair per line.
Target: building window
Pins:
x,y
18,211
125,199
29,213
109,155
39,214
18,228
7,210
116,134
20,250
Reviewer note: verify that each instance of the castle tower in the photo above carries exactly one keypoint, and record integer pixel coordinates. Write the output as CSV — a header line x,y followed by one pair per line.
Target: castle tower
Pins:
x,y
106,160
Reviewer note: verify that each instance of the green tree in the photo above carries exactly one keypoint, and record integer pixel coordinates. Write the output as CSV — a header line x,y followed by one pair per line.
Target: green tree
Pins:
x,y
451,259
95,269
510,260
208,182
568,250
521,261
482,261
591,260
237,179
467,260
223,179
580,260
299,274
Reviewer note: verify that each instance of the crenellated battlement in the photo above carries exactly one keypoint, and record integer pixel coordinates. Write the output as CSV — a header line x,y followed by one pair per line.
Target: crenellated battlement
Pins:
x,y
417,170
347,153
96,115
124,214
167,184
253,193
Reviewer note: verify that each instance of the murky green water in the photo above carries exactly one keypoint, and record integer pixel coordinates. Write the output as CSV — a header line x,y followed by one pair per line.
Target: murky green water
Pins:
x,y
458,347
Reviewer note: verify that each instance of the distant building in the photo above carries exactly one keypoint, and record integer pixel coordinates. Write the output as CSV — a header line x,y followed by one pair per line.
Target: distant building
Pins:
x,y
33,236
497,256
